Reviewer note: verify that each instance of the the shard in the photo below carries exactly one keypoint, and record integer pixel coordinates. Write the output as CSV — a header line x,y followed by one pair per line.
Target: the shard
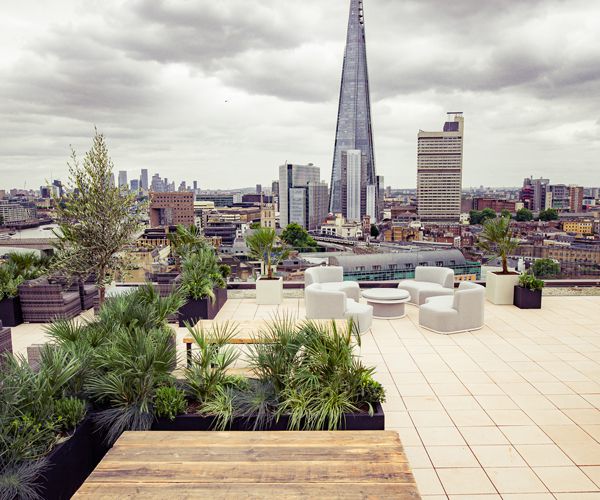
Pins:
x,y
354,113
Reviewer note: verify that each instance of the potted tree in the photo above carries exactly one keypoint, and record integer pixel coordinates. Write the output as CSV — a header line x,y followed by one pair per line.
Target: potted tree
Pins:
x,y
203,280
528,293
266,246
497,240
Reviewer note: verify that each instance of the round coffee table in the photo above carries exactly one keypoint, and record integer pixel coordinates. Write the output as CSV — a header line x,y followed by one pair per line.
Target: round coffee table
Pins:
x,y
388,303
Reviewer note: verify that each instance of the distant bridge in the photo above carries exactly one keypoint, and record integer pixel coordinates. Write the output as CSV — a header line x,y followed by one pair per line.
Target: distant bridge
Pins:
x,y
43,244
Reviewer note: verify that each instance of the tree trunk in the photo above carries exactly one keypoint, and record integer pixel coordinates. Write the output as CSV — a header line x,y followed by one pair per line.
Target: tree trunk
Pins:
x,y
504,265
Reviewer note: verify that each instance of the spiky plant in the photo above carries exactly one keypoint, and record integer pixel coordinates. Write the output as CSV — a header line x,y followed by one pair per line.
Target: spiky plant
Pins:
x,y
201,274
497,240
265,246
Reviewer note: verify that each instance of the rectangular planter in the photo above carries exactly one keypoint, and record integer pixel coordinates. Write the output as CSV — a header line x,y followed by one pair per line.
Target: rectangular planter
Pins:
x,y
71,462
269,292
354,422
499,288
10,311
197,309
527,299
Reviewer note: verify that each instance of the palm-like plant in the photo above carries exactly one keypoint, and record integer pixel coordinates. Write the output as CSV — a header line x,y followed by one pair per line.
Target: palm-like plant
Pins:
x,y
201,273
266,246
27,264
497,240
186,240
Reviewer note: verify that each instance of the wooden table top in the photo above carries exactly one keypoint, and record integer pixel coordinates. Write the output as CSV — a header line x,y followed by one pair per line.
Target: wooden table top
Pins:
x,y
253,465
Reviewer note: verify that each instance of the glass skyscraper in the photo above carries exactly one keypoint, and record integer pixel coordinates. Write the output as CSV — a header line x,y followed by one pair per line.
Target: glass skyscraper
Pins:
x,y
354,112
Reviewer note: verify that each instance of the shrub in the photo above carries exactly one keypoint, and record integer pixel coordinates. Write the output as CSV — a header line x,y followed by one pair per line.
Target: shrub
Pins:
x,y
69,412
545,268
531,282
169,402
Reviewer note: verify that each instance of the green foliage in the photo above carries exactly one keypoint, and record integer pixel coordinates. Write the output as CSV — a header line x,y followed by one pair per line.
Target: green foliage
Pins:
x,y
265,246
187,240
524,215
169,401
374,231
505,213
96,219
9,281
479,217
546,268
220,407
17,268
69,412
201,273
531,282
255,225
214,355
18,480
548,214
497,240
297,237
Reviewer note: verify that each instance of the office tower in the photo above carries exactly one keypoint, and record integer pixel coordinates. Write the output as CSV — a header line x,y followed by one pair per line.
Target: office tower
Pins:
x,y
144,180
195,186
297,201
171,209
354,187
558,197
439,171
575,198
157,185
182,187
275,188
354,112
59,187
134,185
317,204
258,189
123,179
536,194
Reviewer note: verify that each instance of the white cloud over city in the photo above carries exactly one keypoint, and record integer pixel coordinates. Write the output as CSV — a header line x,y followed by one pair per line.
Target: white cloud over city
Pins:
x,y
223,92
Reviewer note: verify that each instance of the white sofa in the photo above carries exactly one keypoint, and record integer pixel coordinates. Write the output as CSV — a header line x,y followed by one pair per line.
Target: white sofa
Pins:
x,y
429,282
461,313
332,278
322,303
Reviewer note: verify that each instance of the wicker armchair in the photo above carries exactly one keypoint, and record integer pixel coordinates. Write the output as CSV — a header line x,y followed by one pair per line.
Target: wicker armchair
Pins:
x,y
43,302
5,340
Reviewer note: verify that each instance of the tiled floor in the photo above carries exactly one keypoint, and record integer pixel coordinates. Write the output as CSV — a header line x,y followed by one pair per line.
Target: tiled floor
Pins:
x,y
511,411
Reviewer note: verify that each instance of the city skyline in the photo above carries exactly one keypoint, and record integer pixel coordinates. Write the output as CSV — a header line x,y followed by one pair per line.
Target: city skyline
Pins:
x,y
526,76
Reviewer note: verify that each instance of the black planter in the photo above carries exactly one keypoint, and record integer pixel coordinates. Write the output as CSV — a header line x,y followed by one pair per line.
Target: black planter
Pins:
x,y
71,462
197,309
10,311
527,299
353,422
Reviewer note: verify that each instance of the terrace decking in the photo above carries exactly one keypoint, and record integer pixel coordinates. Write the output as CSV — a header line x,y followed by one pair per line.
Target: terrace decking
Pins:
x,y
511,411
253,465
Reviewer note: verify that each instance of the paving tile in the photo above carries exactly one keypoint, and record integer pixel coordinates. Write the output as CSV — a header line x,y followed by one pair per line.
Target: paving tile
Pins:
x,y
543,455
515,480
509,417
593,472
428,482
451,456
471,481
527,496
475,497
563,401
584,416
470,418
459,402
440,436
417,457
483,435
549,417
577,496
497,456
430,419
526,434
565,479
582,453
424,403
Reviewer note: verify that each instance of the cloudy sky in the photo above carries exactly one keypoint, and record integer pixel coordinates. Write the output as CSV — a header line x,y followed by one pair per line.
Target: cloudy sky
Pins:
x,y
223,91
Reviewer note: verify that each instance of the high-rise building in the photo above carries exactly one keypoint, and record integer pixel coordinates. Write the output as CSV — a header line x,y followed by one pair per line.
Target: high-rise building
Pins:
x,y
134,185
158,185
144,180
123,179
536,194
354,187
354,112
301,195
575,198
439,171
558,197
170,209
258,189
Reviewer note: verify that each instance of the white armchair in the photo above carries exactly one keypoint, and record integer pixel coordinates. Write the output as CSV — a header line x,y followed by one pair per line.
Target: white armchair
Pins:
x,y
332,278
461,313
429,282
321,303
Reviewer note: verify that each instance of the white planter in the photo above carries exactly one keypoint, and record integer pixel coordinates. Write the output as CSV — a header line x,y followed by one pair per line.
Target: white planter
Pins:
x,y
500,288
269,292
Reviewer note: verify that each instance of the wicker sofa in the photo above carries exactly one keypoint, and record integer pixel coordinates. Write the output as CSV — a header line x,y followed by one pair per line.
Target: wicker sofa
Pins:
x,y
43,301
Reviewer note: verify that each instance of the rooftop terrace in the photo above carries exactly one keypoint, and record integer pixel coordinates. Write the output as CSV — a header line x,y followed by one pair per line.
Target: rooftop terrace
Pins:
x,y
509,411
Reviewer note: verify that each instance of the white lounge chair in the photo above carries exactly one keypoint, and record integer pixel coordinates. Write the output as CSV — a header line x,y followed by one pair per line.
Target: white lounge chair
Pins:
x,y
461,313
321,303
332,278
429,282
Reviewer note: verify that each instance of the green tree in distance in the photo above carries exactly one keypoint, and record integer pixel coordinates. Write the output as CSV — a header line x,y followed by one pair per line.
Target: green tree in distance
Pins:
x,y
479,217
297,237
374,231
545,268
96,219
506,213
524,215
549,214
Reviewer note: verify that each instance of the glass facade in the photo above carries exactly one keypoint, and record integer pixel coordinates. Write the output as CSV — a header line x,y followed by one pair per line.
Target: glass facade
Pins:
x,y
354,112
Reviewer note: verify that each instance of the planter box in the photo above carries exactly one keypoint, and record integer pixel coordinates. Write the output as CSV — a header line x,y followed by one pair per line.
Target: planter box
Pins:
x,y
527,299
499,288
269,292
10,311
71,462
354,422
197,309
